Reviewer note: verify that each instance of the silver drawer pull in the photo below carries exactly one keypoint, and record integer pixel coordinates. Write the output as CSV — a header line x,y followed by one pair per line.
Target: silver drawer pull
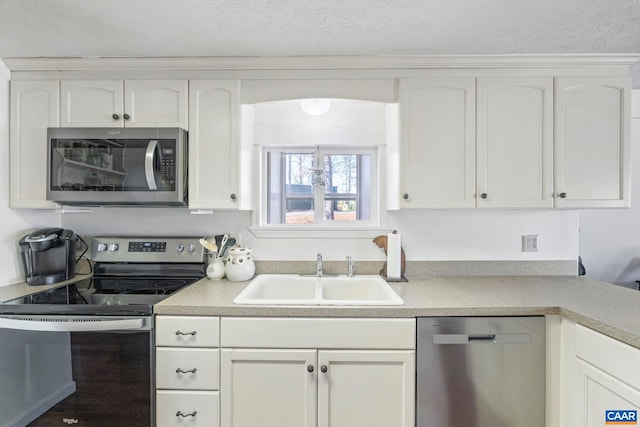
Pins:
x,y
185,333
190,371
482,338
180,414
486,337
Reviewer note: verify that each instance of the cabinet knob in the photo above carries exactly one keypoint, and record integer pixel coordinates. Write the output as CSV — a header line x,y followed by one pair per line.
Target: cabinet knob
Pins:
x,y
562,195
405,196
233,196
115,116
483,196
310,368
126,116
324,369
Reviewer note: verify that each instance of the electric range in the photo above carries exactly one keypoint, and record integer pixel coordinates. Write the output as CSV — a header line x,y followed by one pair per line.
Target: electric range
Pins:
x,y
130,275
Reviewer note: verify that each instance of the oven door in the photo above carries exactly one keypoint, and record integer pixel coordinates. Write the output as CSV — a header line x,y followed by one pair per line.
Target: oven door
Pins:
x,y
136,166
67,370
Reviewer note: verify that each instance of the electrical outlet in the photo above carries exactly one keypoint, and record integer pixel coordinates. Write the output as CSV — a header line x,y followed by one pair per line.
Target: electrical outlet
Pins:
x,y
530,243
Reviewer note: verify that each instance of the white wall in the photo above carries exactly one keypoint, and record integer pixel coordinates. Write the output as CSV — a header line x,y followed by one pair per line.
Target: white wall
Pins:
x,y
13,223
610,239
427,235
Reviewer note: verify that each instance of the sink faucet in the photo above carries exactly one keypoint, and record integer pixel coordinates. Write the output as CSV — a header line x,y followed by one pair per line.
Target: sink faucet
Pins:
x,y
349,266
319,265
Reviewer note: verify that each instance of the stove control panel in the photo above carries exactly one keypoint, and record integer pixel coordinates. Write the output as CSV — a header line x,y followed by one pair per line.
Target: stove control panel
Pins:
x,y
147,246
147,249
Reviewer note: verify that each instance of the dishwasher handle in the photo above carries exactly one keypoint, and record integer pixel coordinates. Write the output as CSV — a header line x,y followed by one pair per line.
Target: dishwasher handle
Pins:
x,y
482,338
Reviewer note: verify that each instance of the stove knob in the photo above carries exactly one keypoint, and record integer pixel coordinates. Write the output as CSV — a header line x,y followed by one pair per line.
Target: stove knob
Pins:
x,y
191,247
113,247
179,247
102,247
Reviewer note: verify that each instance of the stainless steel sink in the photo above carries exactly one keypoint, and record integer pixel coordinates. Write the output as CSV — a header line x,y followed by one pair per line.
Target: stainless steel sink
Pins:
x,y
293,289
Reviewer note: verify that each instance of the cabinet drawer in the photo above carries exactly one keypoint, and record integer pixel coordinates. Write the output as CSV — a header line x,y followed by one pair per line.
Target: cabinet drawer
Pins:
x,y
187,368
187,331
334,333
187,408
616,358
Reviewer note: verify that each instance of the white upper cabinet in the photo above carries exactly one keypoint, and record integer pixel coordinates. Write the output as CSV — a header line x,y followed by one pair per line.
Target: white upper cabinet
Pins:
x,y
35,106
130,103
592,142
214,144
437,140
515,142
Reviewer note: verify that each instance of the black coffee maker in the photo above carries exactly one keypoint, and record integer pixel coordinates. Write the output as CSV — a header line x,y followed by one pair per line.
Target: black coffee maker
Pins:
x,y
48,255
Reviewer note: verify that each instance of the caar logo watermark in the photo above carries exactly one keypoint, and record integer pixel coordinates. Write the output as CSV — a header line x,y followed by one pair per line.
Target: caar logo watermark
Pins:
x,y
621,417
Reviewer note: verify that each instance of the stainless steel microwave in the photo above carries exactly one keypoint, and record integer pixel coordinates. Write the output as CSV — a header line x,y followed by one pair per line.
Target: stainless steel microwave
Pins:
x,y
110,166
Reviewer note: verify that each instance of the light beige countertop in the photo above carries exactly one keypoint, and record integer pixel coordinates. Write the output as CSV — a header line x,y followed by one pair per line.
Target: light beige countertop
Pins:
x,y
610,309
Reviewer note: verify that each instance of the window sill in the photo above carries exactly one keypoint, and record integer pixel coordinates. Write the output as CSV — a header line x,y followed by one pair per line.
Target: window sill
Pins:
x,y
289,232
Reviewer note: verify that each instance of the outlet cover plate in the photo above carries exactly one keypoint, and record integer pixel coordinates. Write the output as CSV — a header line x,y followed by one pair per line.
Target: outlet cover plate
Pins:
x,y
530,243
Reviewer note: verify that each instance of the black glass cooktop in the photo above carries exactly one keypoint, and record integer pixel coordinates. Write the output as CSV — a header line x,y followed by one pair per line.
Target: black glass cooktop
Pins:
x,y
117,296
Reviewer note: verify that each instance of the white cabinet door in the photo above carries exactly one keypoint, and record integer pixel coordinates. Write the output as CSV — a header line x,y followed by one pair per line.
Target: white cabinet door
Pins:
x,y
156,103
130,103
592,155
35,105
599,392
607,378
437,143
515,142
268,388
214,144
92,103
366,388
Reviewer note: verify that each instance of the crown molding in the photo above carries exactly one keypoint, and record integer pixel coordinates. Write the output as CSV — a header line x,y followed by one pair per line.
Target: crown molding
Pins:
x,y
321,62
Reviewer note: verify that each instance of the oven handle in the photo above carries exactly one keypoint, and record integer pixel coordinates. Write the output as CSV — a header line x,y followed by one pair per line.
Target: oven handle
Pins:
x,y
51,324
148,164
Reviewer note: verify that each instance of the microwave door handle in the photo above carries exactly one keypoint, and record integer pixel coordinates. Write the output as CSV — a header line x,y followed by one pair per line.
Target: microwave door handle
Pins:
x,y
71,326
149,163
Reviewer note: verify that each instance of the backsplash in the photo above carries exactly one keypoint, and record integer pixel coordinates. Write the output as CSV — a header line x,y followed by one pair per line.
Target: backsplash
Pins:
x,y
426,235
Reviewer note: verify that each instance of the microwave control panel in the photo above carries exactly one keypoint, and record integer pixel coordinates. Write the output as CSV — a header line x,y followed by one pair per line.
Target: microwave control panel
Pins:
x,y
168,167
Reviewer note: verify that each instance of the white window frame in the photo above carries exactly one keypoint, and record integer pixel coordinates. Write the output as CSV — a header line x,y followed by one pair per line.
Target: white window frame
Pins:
x,y
319,229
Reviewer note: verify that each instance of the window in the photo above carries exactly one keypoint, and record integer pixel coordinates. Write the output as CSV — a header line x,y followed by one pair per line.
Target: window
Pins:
x,y
323,186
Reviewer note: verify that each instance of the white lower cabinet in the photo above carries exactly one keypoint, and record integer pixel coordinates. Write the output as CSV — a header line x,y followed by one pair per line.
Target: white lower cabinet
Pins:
x,y
366,388
264,387
607,379
187,371
368,383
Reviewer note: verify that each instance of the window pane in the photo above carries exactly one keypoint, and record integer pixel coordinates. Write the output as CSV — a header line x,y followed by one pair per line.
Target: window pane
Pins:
x,y
340,210
345,181
299,191
290,191
298,188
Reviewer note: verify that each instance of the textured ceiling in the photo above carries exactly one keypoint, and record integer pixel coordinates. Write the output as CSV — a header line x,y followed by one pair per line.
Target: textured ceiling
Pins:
x,y
174,28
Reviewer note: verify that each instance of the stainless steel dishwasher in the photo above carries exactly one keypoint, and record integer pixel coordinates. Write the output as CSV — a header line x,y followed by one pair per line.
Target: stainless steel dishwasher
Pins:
x,y
481,372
